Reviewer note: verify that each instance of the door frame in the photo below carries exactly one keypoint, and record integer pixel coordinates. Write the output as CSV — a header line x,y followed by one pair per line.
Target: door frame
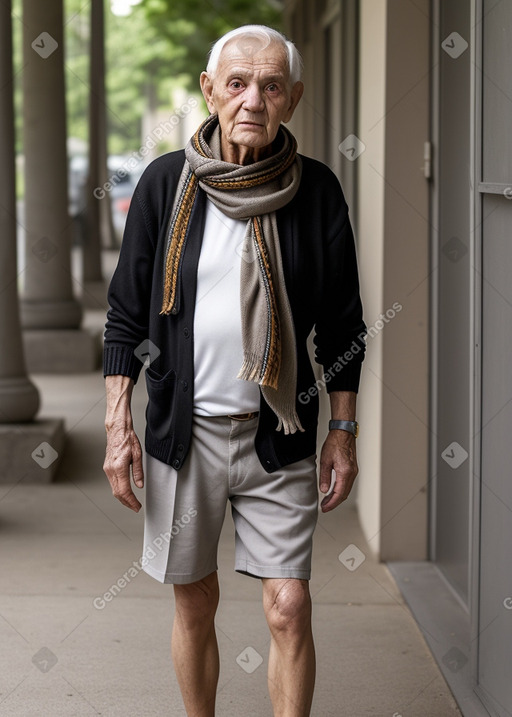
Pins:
x,y
476,335
475,251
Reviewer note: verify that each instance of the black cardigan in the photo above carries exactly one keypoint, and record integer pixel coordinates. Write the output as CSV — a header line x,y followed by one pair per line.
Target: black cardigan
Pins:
x,y
320,271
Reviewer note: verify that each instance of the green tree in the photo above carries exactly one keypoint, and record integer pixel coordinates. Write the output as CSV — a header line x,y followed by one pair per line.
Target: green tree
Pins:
x,y
137,59
194,25
17,59
161,44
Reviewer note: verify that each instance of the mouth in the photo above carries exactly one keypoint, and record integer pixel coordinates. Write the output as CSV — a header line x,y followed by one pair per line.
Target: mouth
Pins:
x,y
248,123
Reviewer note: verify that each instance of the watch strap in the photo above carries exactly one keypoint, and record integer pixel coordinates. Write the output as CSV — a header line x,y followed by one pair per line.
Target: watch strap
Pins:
x,y
350,426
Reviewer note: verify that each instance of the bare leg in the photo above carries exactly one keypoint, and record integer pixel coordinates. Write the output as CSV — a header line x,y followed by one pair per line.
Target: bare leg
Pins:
x,y
291,665
194,645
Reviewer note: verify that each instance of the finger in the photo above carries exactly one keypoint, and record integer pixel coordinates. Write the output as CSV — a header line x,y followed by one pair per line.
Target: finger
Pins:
x,y
132,503
336,496
137,469
342,488
138,473
129,499
330,502
325,476
122,489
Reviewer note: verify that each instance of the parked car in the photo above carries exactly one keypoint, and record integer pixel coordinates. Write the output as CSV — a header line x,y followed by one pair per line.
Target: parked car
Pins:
x,y
120,193
77,177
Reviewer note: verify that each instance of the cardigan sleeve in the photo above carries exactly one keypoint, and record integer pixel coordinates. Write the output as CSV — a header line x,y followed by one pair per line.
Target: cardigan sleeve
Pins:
x,y
340,329
129,293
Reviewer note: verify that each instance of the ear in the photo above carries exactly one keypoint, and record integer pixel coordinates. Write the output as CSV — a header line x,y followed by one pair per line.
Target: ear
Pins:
x,y
296,94
207,89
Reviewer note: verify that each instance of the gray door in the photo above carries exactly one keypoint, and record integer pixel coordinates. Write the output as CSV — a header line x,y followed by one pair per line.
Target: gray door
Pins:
x,y
451,281
494,630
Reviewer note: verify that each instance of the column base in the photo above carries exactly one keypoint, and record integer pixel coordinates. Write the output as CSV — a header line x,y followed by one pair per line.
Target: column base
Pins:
x,y
94,295
31,452
62,351
48,315
19,400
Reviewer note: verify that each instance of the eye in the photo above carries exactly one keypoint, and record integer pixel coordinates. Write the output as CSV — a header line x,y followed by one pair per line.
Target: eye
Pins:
x,y
235,84
273,87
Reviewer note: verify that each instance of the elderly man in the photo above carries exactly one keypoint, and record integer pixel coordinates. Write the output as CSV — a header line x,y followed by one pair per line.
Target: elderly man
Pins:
x,y
234,250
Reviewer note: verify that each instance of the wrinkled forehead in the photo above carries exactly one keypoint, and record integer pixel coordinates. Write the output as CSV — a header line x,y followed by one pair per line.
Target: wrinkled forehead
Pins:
x,y
254,49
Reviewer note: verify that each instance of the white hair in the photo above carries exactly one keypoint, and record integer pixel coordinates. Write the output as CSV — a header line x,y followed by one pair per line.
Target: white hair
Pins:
x,y
270,35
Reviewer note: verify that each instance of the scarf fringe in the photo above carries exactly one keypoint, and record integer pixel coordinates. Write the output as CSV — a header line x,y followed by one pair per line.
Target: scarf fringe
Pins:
x,y
251,371
289,422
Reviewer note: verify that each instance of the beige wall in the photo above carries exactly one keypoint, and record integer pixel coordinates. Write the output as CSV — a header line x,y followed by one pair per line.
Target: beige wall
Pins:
x,y
392,240
393,250
370,244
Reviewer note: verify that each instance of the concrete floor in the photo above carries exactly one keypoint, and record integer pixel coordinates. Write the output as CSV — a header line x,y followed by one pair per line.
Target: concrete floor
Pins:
x,y
66,543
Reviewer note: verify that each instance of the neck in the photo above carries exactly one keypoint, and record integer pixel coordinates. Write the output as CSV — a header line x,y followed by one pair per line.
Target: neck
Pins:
x,y
239,154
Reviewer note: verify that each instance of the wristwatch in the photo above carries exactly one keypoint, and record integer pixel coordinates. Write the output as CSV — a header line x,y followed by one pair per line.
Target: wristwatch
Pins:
x,y
350,426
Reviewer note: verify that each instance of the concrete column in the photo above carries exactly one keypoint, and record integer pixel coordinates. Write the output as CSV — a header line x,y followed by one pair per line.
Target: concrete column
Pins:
x,y
50,313
19,399
97,146
29,451
48,301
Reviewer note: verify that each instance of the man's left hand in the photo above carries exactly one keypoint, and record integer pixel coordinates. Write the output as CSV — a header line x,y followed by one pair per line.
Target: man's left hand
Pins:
x,y
338,454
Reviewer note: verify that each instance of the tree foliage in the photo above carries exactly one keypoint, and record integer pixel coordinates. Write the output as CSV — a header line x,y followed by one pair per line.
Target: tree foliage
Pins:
x,y
194,25
159,45
136,59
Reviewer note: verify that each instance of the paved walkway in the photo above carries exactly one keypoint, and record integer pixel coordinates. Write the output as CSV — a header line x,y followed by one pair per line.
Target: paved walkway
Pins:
x,y
64,544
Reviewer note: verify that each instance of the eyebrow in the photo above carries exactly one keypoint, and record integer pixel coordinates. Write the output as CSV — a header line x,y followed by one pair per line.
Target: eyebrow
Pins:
x,y
274,77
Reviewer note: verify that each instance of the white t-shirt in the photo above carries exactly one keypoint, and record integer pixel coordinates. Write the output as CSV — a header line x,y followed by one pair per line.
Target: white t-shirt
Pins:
x,y
217,321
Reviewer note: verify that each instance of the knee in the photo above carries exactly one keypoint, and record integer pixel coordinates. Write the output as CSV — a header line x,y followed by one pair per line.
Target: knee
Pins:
x,y
196,603
288,606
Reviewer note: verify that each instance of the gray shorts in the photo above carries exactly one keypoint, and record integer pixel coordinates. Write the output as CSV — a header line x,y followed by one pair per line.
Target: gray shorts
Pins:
x,y
274,513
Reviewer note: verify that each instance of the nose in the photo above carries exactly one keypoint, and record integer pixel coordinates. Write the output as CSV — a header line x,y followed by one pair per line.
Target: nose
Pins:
x,y
253,98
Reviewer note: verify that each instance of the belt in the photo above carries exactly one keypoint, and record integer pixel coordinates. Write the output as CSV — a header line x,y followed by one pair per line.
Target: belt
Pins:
x,y
244,416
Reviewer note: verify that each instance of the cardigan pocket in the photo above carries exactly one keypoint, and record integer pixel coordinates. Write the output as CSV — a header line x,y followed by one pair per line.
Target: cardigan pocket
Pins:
x,y
160,408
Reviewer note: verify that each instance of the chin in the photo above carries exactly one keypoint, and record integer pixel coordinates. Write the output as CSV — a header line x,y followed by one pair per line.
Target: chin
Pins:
x,y
250,139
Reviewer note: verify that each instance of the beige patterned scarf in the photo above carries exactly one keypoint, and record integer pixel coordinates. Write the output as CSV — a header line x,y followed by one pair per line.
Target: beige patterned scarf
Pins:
x,y
254,193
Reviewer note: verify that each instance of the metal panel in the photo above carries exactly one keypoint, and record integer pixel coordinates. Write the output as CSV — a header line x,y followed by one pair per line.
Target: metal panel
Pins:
x,y
497,91
452,187
476,404
495,638
349,102
340,48
333,68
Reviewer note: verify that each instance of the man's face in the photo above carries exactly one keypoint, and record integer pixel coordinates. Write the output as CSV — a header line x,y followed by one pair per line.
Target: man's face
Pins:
x,y
251,94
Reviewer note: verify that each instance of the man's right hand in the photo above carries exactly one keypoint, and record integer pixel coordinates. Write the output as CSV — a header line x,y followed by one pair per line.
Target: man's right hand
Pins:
x,y
123,447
